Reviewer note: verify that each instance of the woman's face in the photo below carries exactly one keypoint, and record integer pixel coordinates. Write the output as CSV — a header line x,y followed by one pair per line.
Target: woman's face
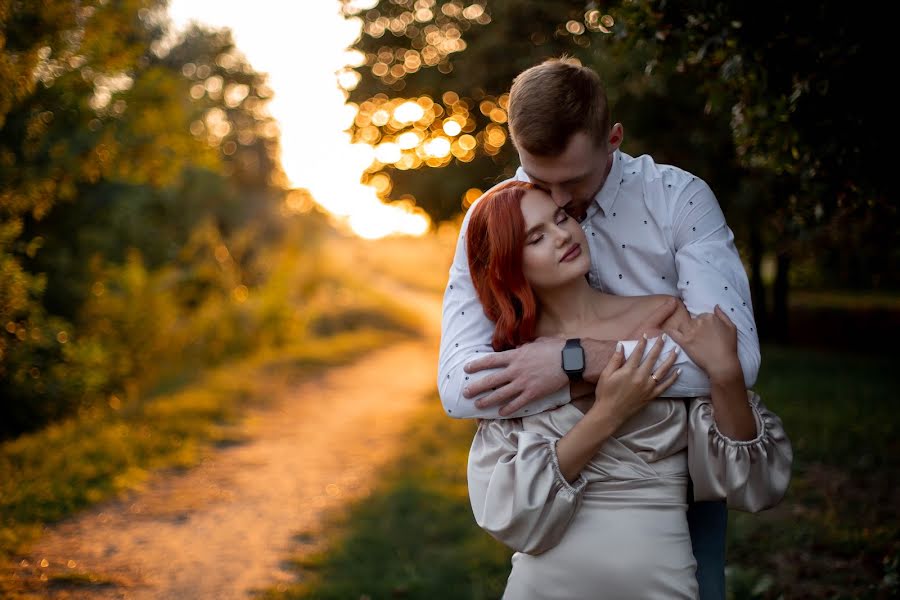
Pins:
x,y
556,249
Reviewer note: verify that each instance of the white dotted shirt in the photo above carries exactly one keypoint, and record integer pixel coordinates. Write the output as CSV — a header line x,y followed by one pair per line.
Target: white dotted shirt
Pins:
x,y
652,229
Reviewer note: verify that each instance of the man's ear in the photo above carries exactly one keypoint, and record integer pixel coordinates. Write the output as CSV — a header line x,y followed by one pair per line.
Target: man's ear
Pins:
x,y
616,135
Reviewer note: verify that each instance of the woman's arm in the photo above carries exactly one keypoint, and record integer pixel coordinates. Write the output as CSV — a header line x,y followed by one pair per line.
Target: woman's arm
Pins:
x,y
737,449
524,487
624,388
711,341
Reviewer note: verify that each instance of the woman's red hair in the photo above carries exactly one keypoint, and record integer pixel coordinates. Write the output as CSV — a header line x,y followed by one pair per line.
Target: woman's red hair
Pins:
x,y
494,243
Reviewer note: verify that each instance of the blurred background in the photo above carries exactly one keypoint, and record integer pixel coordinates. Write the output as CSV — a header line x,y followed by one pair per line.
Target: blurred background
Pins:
x,y
194,188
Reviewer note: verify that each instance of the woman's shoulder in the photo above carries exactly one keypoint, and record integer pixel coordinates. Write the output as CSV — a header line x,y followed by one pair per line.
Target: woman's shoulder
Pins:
x,y
632,311
644,304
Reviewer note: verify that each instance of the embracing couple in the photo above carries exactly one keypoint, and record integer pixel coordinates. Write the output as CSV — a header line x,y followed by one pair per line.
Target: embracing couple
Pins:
x,y
597,321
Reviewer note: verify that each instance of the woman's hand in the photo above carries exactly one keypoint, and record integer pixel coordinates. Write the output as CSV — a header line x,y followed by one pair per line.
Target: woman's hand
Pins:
x,y
711,342
671,313
625,387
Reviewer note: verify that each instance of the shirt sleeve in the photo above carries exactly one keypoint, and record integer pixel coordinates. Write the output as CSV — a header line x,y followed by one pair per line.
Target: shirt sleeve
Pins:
x,y
466,334
709,268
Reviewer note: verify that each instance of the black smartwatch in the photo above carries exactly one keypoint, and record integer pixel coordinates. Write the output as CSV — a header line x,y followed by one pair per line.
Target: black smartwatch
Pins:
x,y
573,359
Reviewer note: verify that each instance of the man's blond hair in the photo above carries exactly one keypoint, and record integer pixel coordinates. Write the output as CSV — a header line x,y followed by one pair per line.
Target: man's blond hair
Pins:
x,y
552,101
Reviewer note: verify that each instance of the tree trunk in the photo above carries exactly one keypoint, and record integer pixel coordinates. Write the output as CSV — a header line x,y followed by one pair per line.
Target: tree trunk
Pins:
x,y
757,287
780,298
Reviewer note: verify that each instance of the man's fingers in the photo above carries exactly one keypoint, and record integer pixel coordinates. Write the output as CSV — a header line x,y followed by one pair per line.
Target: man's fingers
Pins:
x,y
677,336
489,361
485,384
497,397
515,405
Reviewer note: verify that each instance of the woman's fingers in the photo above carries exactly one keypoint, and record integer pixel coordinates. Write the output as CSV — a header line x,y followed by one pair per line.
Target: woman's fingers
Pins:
x,y
615,361
660,372
647,365
666,383
724,317
637,354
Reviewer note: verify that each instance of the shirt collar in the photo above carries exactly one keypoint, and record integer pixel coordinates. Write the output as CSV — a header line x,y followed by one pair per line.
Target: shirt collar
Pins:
x,y
606,197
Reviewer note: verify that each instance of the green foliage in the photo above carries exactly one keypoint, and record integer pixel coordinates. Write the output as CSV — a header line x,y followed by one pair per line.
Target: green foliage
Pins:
x,y
139,192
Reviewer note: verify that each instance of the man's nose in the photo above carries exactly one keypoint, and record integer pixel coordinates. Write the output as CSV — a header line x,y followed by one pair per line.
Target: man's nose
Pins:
x,y
560,196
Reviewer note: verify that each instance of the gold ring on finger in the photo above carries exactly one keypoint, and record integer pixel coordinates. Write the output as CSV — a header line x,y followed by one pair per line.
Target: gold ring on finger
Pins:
x,y
653,377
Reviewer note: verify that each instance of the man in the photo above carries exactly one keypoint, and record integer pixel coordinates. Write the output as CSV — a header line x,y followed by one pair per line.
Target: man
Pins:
x,y
651,229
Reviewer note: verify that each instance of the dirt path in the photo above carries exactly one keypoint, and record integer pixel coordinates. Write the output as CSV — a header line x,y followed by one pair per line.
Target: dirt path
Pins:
x,y
221,530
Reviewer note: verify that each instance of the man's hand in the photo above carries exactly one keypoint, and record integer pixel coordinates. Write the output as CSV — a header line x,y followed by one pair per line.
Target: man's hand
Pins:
x,y
529,372
711,342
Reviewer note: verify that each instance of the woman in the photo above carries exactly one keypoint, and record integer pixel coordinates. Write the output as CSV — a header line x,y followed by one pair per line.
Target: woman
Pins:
x,y
592,495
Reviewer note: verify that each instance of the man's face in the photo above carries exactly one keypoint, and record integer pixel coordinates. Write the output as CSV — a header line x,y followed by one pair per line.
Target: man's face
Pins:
x,y
574,177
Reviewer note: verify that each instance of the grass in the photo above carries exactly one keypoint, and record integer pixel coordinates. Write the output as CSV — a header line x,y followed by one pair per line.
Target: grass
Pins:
x,y
834,536
837,533
845,300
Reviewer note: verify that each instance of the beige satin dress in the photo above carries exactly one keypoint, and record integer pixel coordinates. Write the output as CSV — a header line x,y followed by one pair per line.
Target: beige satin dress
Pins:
x,y
620,531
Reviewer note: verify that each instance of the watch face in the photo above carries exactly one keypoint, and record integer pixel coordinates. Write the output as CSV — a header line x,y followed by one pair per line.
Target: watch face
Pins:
x,y
573,359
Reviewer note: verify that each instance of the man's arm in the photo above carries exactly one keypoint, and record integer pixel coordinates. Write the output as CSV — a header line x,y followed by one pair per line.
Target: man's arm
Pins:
x,y
466,335
710,271
526,373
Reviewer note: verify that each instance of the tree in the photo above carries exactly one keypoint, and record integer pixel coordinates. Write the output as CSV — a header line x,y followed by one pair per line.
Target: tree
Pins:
x,y
762,102
117,153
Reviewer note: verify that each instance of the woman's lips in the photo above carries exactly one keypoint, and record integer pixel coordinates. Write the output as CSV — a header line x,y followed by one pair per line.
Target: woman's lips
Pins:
x,y
572,253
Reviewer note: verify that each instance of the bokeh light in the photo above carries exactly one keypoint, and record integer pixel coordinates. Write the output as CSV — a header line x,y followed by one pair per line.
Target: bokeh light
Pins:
x,y
309,75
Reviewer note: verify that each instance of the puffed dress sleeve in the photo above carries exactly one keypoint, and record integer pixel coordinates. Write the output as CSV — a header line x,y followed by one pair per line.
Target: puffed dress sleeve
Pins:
x,y
750,475
517,491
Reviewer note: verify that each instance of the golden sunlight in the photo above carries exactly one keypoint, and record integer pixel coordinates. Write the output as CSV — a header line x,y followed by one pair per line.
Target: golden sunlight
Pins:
x,y
309,74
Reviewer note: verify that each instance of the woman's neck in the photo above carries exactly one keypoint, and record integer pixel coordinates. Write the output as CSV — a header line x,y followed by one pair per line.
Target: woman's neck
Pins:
x,y
568,309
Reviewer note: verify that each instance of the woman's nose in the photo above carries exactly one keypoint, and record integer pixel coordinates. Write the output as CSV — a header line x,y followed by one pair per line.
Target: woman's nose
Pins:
x,y
563,237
